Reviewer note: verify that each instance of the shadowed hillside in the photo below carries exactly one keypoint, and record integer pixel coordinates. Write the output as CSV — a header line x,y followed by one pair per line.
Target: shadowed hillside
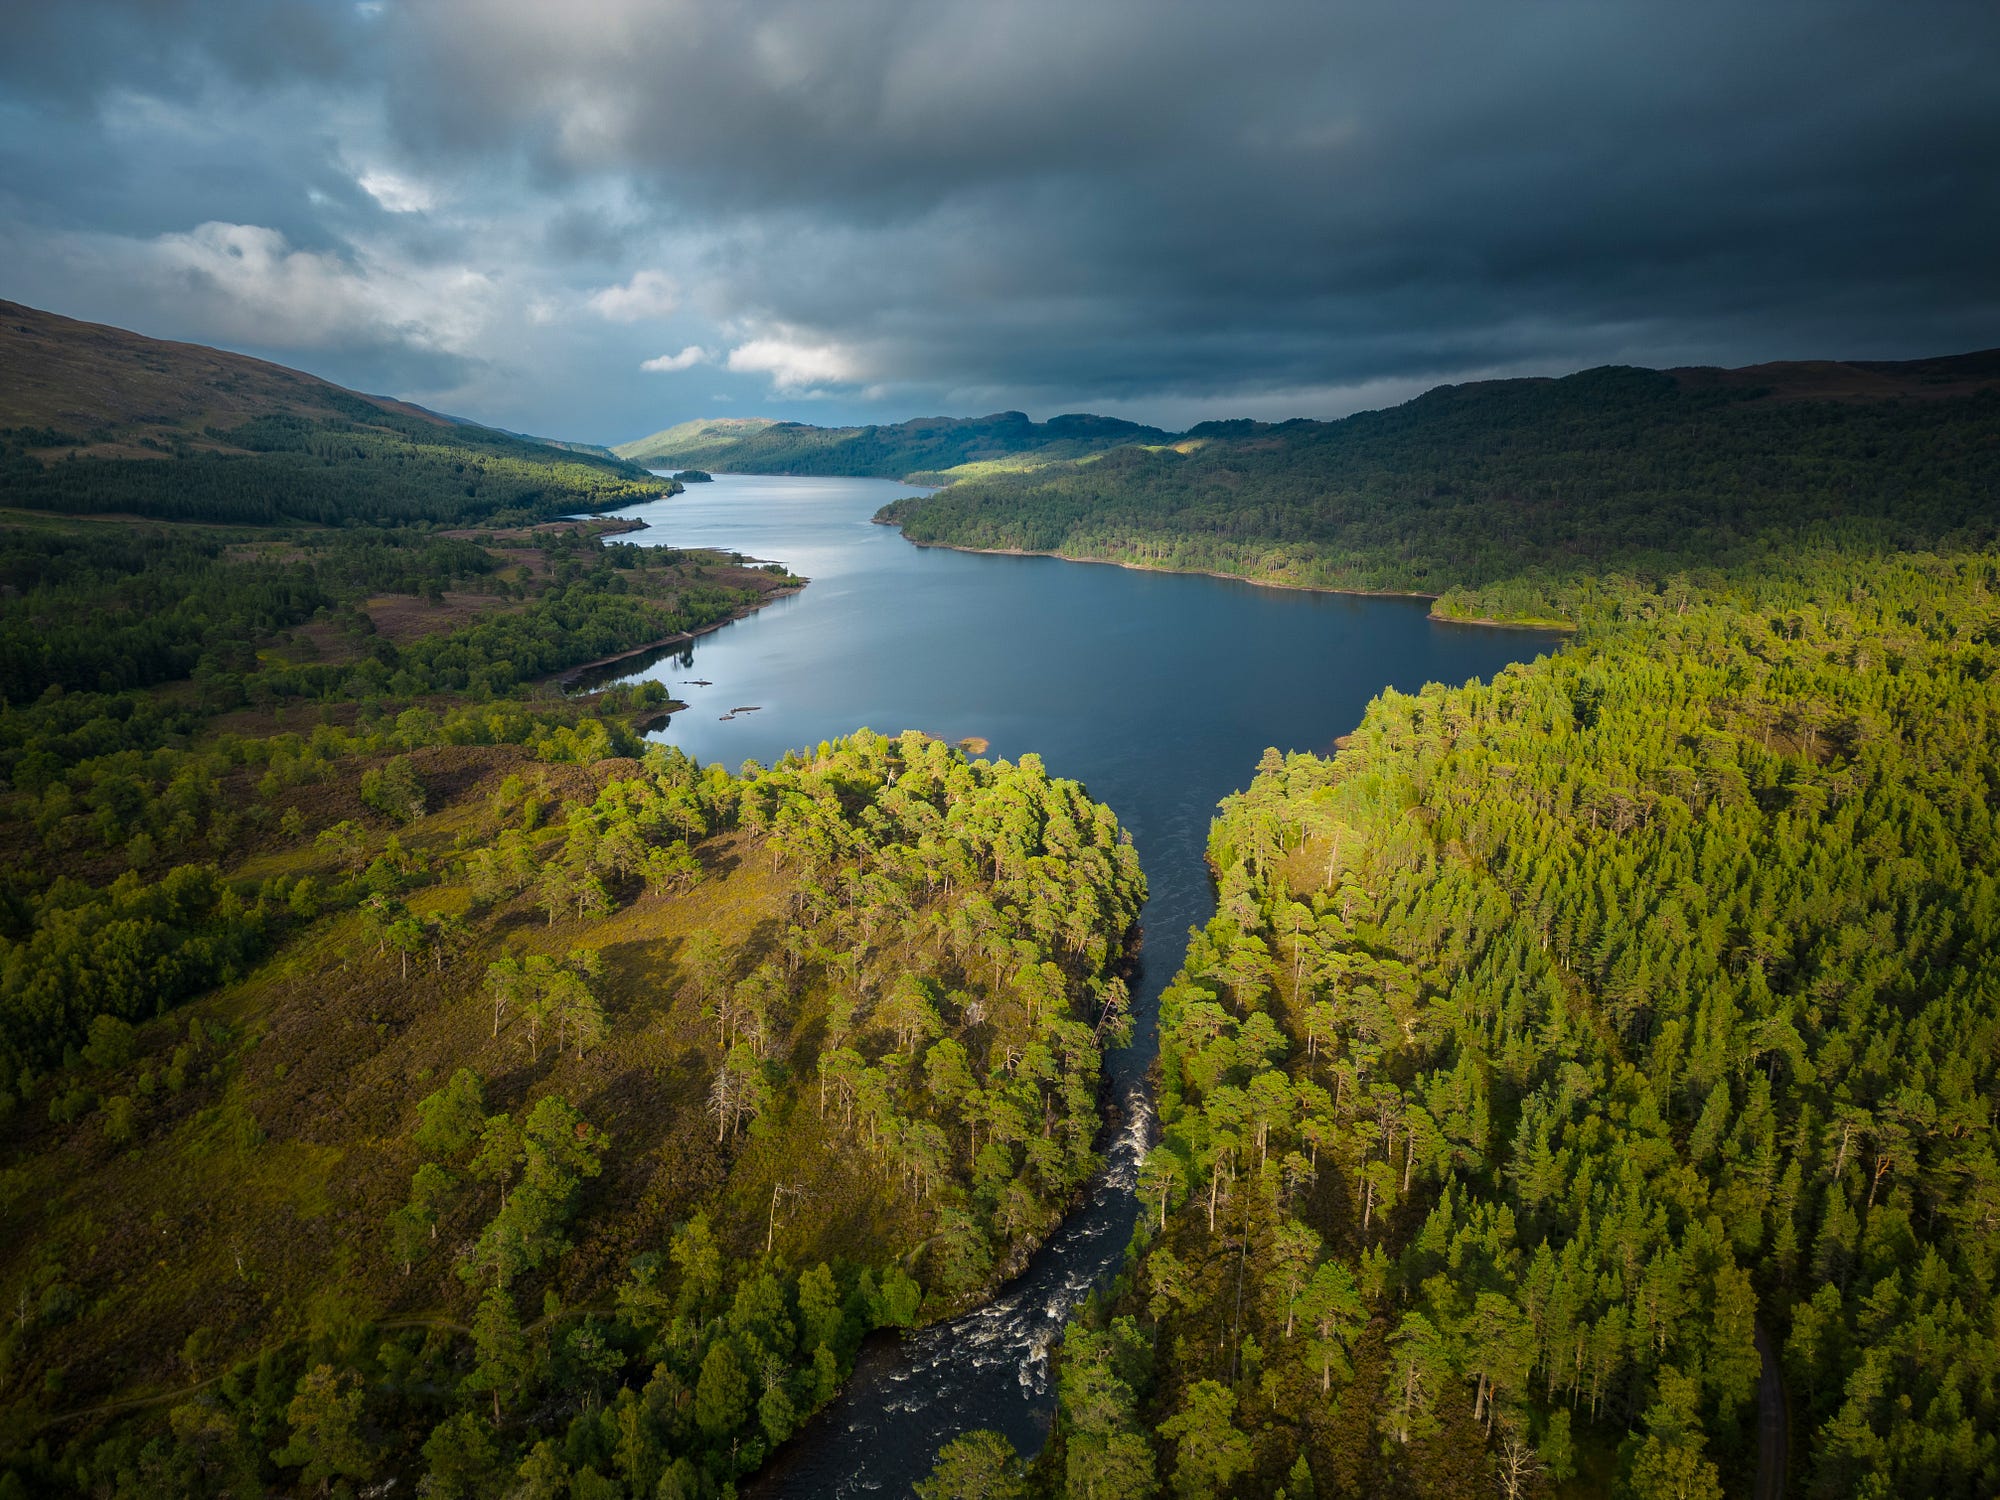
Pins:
x,y
95,420
98,390
1501,495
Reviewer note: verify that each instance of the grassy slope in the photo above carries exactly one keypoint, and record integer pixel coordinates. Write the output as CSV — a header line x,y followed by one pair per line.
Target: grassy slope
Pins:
x,y
925,446
692,443
187,1230
106,388
89,413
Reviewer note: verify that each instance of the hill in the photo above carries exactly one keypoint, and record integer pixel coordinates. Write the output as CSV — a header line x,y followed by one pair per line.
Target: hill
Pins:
x,y
703,439
610,1101
1586,1085
102,391
1501,495
920,450
1855,380
97,420
598,449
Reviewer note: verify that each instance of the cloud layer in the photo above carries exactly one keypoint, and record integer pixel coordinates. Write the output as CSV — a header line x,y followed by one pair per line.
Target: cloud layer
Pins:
x,y
887,207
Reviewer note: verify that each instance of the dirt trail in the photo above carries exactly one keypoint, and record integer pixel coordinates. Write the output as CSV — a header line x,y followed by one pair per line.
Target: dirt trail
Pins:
x,y
1774,1423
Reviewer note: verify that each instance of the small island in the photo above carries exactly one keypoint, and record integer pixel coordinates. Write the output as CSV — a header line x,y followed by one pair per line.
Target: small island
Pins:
x,y
694,476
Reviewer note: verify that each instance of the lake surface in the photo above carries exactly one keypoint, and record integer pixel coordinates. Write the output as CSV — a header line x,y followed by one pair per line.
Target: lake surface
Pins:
x,y
1158,691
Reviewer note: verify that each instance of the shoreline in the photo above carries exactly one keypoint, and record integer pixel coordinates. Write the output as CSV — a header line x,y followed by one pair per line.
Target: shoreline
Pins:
x,y
1553,627
567,677
619,525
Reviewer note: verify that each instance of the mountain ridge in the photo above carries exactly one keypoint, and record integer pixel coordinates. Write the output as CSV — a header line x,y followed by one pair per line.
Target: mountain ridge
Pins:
x,y
1515,490
63,373
881,451
912,450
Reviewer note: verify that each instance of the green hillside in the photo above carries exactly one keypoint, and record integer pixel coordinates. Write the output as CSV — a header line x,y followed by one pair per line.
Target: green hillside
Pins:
x,y
540,1079
691,444
1505,496
98,421
919,450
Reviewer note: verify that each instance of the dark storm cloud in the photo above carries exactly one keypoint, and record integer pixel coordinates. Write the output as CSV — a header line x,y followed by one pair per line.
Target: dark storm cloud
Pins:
x,y
1202,198
897,205
69,55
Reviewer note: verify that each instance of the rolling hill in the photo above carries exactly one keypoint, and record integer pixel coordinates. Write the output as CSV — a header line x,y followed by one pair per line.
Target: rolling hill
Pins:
x,y
98,420
918,450
67,385
1516,489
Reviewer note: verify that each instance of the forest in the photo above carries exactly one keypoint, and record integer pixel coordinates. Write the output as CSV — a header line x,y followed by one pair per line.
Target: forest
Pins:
x,y
1514,499
120,637
330,471
586,1114
1568,1046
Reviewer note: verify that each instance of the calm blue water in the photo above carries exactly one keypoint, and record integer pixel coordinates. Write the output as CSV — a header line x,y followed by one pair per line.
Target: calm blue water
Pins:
x,y
1158,691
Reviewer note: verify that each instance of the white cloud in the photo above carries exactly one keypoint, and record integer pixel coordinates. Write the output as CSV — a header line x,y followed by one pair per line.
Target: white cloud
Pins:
x,y
252,285
795,365
687,359
398,194
649,294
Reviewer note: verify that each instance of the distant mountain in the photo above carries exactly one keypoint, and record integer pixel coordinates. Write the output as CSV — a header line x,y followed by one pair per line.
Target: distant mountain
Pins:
x,y
98,420
704,438
943,450
1853,380
924,448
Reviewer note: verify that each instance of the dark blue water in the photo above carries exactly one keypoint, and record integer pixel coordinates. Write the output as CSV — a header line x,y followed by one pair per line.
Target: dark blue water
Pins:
x,y
1158,691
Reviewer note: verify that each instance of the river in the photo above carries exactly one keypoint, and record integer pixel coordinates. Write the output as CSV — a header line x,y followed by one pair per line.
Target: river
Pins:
x,y
1158,691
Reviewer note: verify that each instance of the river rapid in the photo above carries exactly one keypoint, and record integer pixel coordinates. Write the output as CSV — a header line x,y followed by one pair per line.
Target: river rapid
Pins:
x,y
1158,691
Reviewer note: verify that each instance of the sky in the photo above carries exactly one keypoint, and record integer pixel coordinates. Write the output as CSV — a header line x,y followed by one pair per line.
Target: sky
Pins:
x,y
596,218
